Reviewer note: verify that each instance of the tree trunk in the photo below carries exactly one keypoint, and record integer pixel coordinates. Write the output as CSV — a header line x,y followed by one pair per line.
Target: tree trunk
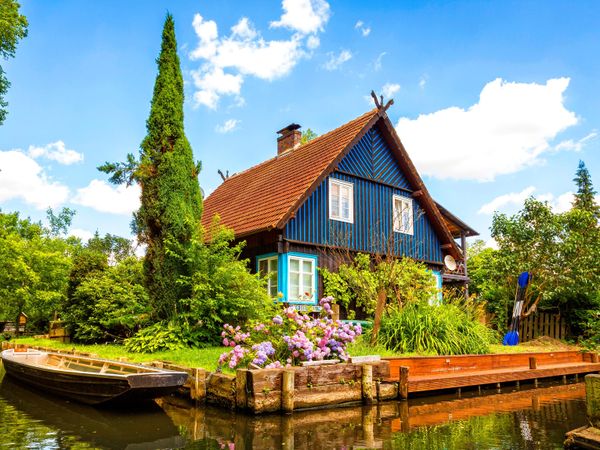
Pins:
x,y
379,308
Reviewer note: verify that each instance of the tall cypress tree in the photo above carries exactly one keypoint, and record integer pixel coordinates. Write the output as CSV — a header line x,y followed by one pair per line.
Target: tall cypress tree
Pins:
x,y
585,196
171,202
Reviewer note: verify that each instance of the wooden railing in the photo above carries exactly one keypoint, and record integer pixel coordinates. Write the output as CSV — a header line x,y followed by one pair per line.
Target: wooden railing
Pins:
x,y
542,324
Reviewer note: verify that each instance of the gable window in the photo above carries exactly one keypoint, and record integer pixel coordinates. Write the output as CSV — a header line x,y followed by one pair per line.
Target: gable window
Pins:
x,y
403,214
301,279
341,200
268,267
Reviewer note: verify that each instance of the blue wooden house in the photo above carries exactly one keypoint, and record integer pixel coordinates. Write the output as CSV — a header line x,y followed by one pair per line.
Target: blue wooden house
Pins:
x,y
351,190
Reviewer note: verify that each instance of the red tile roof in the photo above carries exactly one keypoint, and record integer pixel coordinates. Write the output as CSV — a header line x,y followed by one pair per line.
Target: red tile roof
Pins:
x,y
266,195
260,198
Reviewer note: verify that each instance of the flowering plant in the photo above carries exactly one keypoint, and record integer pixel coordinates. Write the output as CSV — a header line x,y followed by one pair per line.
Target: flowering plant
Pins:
x,y
288,339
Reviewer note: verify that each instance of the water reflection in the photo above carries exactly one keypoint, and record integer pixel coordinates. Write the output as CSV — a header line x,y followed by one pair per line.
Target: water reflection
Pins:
x,y
526,419
529,418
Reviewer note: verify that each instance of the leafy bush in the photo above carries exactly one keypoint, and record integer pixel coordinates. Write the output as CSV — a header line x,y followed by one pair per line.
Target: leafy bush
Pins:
x,y
591,335
163,336
108,305
222,291
360,282
288,339
445,329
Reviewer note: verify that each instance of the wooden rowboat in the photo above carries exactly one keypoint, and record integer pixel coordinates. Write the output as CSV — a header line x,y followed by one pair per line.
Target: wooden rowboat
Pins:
x,y
90,380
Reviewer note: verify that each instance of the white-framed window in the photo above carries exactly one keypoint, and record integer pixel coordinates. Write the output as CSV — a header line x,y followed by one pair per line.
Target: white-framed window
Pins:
x,y
341,200
403,214
301,279
268,266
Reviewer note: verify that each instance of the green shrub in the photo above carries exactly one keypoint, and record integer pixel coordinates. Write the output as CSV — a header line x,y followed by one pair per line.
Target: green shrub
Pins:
x,y
591,335
358,283
165,336
108,305
445,329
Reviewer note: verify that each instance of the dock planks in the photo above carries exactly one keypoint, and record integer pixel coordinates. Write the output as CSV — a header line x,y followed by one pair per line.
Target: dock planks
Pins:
x,y
436,373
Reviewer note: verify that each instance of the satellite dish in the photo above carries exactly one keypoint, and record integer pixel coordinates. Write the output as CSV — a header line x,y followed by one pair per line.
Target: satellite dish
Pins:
x,y
450,262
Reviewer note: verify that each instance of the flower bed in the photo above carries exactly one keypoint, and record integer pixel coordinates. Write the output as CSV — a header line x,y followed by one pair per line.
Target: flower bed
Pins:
x,y
288,340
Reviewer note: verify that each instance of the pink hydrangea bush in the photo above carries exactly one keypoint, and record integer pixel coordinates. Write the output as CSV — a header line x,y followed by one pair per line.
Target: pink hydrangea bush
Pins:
x,y
288,339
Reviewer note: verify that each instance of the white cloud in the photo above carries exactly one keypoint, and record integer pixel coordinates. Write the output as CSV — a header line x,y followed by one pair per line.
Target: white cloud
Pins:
x,y
360,25
313,42
56,151
491,243
23,178
577,145
423,81
510,128
379,61
389,90
213,84
303,16
101,196
227,60
84,235
335,61
515,200
512,199
560,204
227,126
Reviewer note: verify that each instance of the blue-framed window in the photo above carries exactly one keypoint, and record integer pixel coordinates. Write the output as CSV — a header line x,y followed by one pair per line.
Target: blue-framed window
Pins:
x,y
302,278
291,277
268,265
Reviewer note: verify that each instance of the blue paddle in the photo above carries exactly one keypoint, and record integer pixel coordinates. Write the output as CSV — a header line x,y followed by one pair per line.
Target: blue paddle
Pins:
x,y
512,336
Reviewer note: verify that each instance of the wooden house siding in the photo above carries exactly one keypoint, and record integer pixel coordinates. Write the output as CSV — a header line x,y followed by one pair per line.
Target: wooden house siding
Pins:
x,y
371,158
370,166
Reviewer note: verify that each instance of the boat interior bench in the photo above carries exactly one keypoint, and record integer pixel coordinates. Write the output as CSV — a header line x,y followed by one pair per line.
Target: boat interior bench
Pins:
x,y
90,365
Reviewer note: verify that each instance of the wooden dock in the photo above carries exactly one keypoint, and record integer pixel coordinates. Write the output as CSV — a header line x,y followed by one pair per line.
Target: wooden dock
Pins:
x,y
437,373
332,386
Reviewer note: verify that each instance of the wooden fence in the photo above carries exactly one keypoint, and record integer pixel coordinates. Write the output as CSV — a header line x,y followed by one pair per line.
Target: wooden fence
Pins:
x,y
542,324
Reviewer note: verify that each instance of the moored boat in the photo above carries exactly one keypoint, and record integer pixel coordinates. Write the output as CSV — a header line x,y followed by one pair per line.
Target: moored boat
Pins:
x,y
90,380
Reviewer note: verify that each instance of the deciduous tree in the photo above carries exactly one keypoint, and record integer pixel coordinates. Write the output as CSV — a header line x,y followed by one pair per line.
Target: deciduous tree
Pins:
x,y
13,28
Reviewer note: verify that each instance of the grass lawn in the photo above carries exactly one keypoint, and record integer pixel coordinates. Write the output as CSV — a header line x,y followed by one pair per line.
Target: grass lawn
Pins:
x,y
205,358
361,348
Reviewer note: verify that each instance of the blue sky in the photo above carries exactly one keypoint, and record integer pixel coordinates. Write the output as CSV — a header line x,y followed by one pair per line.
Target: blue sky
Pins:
x,y
495,101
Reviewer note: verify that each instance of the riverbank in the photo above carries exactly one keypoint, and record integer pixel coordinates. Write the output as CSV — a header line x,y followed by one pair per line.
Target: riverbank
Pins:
x,y
206,358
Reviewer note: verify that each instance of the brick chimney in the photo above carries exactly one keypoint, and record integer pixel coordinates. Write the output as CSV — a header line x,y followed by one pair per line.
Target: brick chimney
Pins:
x,y
289,138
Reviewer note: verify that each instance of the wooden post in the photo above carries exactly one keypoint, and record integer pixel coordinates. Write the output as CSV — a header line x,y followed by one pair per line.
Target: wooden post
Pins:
x,y
404,417
368,426
595,358
335,311
367,383
287,427
532,362
592,391
287,390
241,391
403,385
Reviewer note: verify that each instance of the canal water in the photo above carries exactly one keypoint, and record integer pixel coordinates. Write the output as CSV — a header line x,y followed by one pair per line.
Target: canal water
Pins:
x,y
528,418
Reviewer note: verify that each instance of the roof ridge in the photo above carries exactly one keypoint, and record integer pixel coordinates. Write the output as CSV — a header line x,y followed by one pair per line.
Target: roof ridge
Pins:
x,y
322,136
313,141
